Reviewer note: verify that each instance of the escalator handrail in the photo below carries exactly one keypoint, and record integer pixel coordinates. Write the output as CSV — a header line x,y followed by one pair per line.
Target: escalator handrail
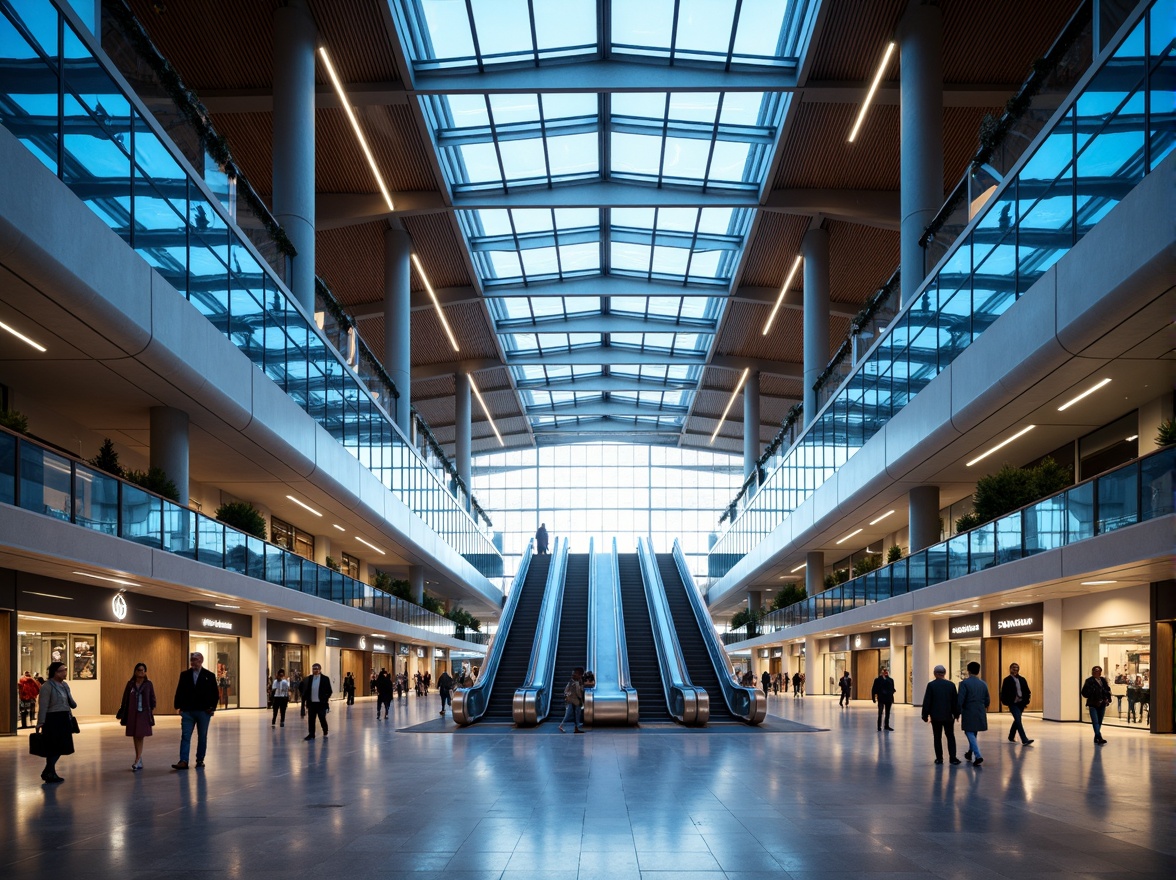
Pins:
x,y
749,704
613,700
687,703
469,704
623,678
532,701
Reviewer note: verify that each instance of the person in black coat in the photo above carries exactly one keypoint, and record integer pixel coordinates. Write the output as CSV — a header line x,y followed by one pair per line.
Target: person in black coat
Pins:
x,y
1014,693
316,695
197,696
846,685
541,540
445,686
383,692
941,706
882,693
349,689
1098,696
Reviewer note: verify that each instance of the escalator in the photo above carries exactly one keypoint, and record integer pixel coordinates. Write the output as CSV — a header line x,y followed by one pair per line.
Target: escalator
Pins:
x,y
644,672
694,652
572,649
516,653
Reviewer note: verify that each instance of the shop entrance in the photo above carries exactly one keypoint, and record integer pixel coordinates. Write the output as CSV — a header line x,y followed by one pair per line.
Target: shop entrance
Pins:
x,y
221,658
835,664
1125,654
295,659
1026,652
868,665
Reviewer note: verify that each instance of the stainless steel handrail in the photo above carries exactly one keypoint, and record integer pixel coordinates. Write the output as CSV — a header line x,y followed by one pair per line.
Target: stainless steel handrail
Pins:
x,y
613,700
747,703
687,703
469,704
532,701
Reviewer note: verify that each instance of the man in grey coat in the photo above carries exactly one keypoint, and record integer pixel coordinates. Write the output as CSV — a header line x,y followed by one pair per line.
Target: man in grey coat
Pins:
x,y
974,700
941,706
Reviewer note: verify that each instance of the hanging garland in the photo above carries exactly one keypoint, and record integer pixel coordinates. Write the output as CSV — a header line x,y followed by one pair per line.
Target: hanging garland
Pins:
x,y
196,115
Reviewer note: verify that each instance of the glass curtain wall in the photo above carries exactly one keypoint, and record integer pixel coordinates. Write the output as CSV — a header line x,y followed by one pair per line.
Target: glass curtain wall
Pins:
x,y
603,490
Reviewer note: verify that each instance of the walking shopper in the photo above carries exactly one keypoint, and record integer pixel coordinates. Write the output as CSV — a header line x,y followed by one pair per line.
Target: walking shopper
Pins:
x,y
349,689
383,693
137,712
55,721
974,701
316,695
1098,697
795,684
197,696
445,685
1014,693
941,706
766,681
574,701
846,685
882,693
27,689
280,697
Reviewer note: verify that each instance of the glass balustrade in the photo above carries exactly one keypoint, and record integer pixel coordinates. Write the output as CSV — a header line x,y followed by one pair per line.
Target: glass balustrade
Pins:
x,y
1117,128
1142,490
58,98
38,479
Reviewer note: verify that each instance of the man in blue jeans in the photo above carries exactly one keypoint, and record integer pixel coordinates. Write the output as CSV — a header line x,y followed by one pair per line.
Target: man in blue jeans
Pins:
x,y
1014,693
196,699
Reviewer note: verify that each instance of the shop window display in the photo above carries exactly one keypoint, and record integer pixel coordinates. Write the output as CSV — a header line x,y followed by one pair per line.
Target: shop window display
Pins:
x,y
225,666
78,651
1124,653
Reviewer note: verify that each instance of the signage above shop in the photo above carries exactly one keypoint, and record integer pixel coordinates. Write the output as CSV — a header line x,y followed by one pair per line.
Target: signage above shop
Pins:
x,y
337,638
290,633
967,626
880,639
839,644
39,594
1011,621
203,619
379,647
118,606
859,642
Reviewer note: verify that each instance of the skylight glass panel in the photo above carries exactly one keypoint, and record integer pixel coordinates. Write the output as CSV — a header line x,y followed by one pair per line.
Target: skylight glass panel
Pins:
x,y
569,105
565,28
512,307
717,221
644,105
547,306
514,107
666,306
760,25
504,27
577,218
449,32
685,158
532,220
709,264
670,261
743,108
480,163
694,107
504,264
467,111
521,342
630,258
636,154
492,222
640,218
699,307
678,219
729,162
539,262
574,155
533,373
704,29
523,161
579,258
647,24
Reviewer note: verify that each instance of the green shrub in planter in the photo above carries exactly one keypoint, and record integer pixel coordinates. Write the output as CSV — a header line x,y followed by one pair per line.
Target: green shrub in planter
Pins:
x,y
1011,488
1167,433
333,564
789,594
867,564
14,421
894,553
244,516
157,481
967,522
107,459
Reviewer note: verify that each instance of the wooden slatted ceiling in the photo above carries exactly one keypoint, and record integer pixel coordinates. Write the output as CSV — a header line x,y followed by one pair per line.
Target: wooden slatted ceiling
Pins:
x,y
861,259
776,243
440,250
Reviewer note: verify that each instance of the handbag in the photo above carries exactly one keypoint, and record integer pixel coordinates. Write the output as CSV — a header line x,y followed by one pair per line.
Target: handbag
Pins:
x,y
73,723
38,746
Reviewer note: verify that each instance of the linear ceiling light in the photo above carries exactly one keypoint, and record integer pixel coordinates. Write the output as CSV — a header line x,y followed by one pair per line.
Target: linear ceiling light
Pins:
x,y
436,302
339,527
1001,445
850,535
101,577
875,522
799,567
861,117
347,108
304,505
22,337
1088,391
485,409
783,290
730,401
369,544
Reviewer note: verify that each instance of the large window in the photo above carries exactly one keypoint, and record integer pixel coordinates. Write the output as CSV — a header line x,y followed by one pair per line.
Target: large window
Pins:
x,y
607,490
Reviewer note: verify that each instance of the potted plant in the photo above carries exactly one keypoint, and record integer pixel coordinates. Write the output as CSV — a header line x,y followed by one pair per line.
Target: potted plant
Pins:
x,y
243,516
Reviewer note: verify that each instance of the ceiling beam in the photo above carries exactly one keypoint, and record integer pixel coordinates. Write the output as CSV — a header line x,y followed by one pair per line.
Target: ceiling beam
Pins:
x,y
762,365
592,409
623,426
450,368
606,193
594,384
875,208
767,296
610,323
596,355
364,94
340,210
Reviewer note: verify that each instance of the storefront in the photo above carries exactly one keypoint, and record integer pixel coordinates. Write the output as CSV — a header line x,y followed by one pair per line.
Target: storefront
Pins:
x,y
288,647
1015,637
1124,653
217,635
871,654
965,634
836,660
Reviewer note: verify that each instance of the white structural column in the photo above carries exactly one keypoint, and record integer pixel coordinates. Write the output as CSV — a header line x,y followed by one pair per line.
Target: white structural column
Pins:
x,y
812,663
293,139
169,446
923,516
416,583
252,663
463,438
398,320
898,664
922,655
815,249
921,99
1061,673
751,422
814,572
755,600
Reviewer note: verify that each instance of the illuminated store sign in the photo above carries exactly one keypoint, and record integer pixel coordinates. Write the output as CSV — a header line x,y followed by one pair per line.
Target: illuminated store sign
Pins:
x,y
213,623
203,619
118,606
1011,621
379,647
970,626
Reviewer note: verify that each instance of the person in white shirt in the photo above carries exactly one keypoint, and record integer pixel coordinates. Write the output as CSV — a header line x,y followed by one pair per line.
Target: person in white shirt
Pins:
x,y
316,693
280,698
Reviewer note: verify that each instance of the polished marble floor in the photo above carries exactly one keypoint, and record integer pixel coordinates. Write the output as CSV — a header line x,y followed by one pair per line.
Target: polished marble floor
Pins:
x,y
375,801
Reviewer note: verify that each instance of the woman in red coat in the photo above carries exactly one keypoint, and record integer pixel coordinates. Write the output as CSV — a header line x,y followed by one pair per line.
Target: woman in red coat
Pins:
x,y
138,710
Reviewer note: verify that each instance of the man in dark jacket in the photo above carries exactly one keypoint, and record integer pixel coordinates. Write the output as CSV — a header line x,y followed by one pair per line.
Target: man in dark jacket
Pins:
x,y
541,539
846,685
1014,693
445,686
1098,696
384,690
316,695
197,696
941,706
882,693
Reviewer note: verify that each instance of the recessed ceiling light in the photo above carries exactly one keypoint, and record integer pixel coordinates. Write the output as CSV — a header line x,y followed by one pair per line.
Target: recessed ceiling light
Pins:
x,y
219,605
339,527
369,544
890,47
875,522
485,409
1001,445
799,567
101,577
1093,388
730,401
850,535
783,290
22,337
48,595
304,505
359,136
1097,583
436,302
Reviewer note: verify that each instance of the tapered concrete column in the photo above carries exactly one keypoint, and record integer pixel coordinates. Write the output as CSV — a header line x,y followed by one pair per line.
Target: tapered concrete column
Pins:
x,y
169,446
922,655
898,664
814,572
923,513
463,442
252,666
921,52
751,421
1061,666
416,583
815,248
755,600
398,321
812,667
293,139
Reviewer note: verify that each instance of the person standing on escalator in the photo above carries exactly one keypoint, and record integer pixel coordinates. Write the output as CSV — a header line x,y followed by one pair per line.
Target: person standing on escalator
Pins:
x,y
541,540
